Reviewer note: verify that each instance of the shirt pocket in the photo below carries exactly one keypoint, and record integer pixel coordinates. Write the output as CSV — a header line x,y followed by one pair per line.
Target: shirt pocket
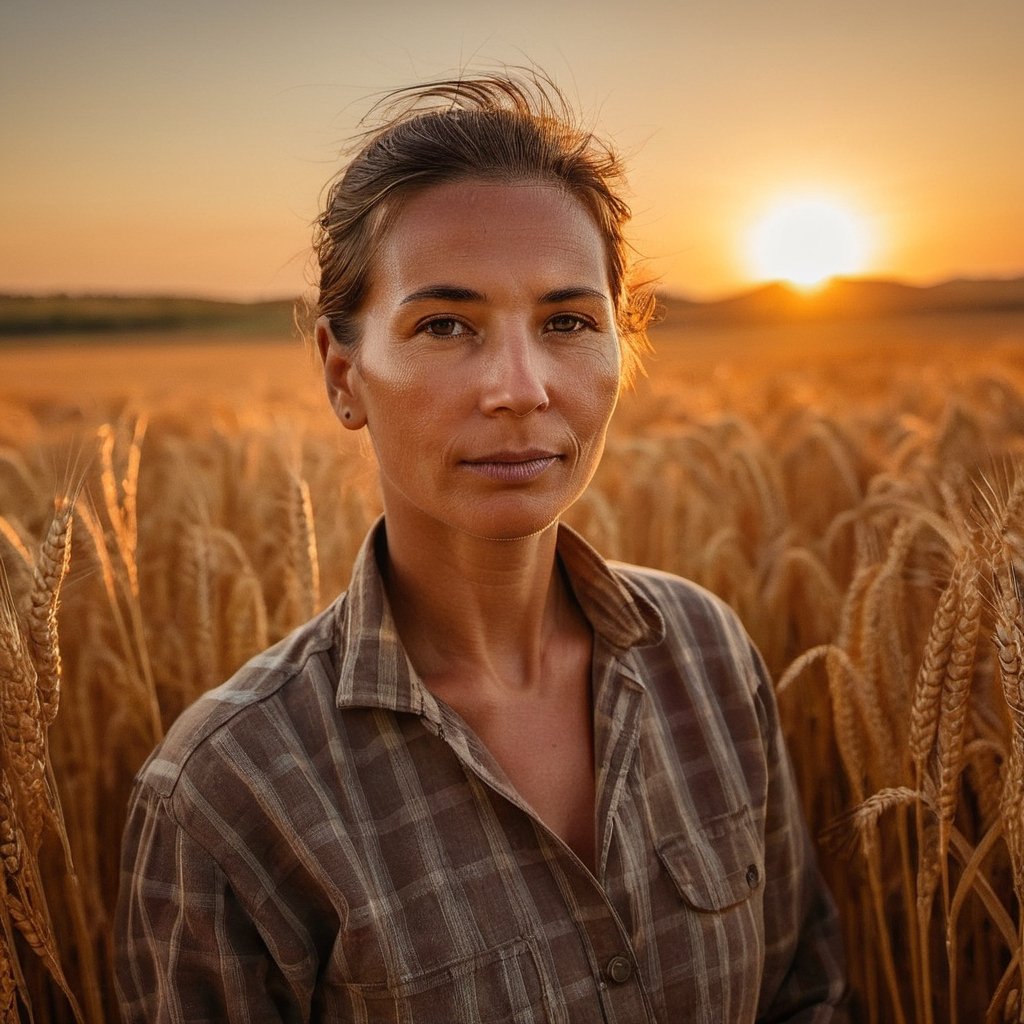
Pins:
x,y
712,943
718,865
500,985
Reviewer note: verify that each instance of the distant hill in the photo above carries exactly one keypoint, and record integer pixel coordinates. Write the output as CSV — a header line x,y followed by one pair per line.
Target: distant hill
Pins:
x,y
849,299
22,315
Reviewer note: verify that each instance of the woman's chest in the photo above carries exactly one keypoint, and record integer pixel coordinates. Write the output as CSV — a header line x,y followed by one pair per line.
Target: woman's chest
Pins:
x,y
436,898
545,748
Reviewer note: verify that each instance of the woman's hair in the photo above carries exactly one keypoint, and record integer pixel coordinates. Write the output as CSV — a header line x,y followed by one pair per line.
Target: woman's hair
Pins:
x,y
512,127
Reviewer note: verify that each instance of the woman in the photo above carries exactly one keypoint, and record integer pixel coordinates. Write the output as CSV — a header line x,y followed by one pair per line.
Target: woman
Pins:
x,y
498,779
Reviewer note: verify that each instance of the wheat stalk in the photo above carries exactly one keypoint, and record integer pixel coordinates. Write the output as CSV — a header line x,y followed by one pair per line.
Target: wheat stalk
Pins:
x,y
9,979
955,692
924,716
24,898
863,819
302,543
1009,640
21,723
44,600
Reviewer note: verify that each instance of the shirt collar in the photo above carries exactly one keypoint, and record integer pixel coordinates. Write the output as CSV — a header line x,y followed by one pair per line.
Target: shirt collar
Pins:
x,y
375,671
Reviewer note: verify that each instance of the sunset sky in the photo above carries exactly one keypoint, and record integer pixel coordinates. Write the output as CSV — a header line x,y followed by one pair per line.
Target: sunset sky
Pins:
x,y
181,147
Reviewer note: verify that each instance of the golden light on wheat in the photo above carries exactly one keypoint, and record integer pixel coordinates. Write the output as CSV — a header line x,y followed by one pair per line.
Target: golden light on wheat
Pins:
x,y
872,547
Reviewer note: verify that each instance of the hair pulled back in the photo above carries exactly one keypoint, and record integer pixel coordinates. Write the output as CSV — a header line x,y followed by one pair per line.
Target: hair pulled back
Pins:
x,y
506,128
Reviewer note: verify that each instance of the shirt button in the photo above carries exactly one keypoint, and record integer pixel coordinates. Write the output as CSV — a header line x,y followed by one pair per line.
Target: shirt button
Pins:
x,y
619,970
753,876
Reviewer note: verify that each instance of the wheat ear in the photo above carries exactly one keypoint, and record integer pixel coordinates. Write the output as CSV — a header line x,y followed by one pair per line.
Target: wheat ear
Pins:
x,y
24,897
924,715
21,721
44,600
8,983
302,545
955,693
1011,671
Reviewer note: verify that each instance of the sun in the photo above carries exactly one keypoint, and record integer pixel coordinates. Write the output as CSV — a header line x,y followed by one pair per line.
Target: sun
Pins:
x,y
807,240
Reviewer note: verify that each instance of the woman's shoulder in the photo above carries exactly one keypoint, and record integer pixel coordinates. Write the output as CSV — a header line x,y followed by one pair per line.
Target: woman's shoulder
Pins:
x,y
257,692
678,598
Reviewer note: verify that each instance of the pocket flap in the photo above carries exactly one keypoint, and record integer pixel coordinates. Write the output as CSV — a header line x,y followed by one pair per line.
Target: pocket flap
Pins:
x,y
719,865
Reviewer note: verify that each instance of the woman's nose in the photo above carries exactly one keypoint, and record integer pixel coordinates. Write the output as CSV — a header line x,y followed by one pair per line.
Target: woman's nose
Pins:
x,y
514,378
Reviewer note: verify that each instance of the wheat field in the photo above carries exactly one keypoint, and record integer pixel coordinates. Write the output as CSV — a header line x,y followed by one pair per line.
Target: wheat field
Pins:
x,y
855,492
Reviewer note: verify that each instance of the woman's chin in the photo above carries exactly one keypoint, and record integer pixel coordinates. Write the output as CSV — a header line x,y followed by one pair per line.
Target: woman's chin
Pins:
x,y
509,521
506,524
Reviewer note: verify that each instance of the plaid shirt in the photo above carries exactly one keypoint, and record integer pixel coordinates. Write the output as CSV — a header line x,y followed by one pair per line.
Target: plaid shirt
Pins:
x,y
320,838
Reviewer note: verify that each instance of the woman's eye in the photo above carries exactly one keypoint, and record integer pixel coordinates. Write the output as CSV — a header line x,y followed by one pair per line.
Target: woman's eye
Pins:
x,y
567,323
444,327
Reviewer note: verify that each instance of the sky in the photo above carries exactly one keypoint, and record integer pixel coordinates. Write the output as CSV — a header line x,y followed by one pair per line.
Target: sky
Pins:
x,y
182,148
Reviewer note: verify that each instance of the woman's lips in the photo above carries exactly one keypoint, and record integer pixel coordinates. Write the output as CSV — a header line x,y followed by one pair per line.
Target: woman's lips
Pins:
x,y
512,467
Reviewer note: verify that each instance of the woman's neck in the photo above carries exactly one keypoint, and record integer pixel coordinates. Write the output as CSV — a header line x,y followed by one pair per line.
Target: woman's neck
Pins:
x,y
473,609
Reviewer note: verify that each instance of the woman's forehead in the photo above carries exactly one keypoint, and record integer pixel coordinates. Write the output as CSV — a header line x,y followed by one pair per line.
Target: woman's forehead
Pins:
x,y
482,230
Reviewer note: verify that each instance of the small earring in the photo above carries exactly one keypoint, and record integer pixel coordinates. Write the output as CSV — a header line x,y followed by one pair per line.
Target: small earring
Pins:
x,y
348,414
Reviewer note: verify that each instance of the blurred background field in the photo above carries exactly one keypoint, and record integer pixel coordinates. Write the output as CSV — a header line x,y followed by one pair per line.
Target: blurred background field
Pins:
x,y
851,484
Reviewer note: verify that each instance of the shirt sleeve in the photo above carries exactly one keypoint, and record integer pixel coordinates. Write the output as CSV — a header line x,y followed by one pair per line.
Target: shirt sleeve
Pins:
x,y
186,950
804,977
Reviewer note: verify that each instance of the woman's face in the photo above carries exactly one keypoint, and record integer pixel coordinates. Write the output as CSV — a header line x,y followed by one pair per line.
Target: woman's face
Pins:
x,y
487,366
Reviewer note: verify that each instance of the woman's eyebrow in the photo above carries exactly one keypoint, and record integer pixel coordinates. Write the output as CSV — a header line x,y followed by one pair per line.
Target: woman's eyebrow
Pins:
x,y
574,292
445,293
454,293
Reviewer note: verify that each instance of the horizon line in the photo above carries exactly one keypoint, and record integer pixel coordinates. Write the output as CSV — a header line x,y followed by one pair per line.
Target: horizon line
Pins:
x,y
670,293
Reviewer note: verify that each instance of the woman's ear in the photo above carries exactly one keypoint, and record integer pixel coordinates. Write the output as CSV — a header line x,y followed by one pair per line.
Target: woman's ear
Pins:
x,y
341,376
